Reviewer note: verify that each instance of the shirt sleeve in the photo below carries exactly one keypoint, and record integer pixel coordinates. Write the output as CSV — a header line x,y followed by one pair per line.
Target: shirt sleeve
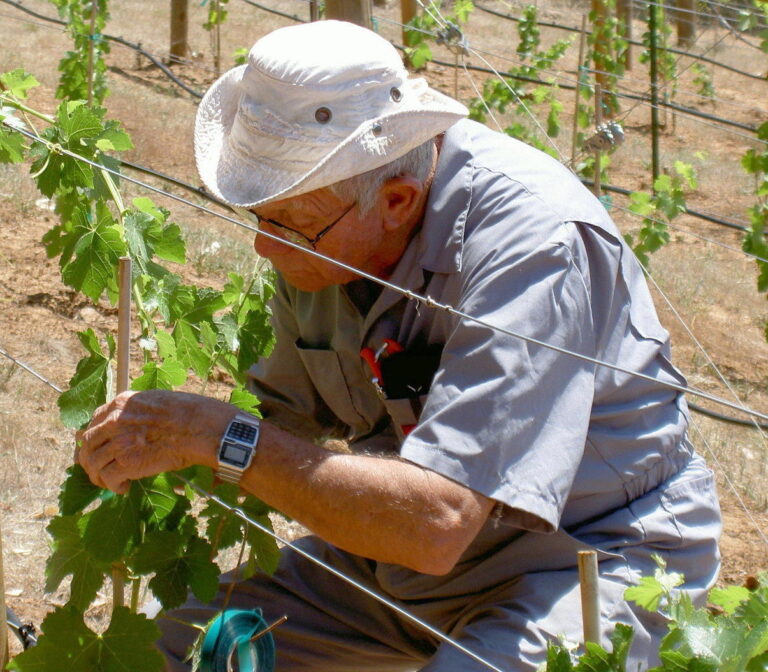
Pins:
x,y
505,416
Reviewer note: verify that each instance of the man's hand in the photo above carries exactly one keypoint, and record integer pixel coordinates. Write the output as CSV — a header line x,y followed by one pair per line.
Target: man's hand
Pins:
x,y
141,434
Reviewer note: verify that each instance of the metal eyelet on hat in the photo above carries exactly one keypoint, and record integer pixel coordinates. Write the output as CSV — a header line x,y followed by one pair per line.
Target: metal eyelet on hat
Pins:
x,y
376,129
396,94
322,115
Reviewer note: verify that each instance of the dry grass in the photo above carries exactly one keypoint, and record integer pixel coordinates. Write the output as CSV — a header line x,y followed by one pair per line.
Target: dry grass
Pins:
x,y
712,288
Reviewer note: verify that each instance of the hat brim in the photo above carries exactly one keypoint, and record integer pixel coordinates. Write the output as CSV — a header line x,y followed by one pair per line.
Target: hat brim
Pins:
x,y
249,181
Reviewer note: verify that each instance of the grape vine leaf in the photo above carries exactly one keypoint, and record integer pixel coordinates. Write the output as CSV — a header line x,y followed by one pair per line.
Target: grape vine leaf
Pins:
x,y
68,644
88,387
651,589
77,491
17,83
112,529
729,598
97,252
11,144
72,556
159,497
180,561
245,401
162,376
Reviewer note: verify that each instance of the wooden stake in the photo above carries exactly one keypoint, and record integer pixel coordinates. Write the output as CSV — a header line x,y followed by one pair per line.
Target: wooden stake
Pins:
x,y
579,67
597,187
407,12
654,72
3,630
625,13
354,11
599,47
124,326
179,30
119,570
91,48
590,596
314,14
685,19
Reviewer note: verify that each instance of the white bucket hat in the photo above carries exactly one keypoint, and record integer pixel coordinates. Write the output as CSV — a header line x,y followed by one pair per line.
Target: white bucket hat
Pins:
x,y
317,103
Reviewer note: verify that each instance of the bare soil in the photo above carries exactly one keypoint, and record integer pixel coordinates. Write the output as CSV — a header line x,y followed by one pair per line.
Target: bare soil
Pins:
x,y
709,284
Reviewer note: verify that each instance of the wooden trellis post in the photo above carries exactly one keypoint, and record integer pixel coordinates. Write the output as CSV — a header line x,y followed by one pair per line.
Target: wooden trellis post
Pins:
x,y
354,11
407,12
685,20
179,30
625,14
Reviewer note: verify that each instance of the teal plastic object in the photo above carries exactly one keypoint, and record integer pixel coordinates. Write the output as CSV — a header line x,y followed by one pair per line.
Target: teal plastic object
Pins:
x,y
233,631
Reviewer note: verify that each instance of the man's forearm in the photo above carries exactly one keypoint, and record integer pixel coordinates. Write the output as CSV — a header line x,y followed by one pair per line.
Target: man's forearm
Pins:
x,y
389,510
385,509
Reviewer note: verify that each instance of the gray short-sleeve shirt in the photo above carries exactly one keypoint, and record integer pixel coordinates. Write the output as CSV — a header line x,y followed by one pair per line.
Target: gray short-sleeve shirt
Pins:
x,y
512,238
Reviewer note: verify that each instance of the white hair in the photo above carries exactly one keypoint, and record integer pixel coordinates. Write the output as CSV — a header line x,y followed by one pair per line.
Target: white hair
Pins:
x,y
364,188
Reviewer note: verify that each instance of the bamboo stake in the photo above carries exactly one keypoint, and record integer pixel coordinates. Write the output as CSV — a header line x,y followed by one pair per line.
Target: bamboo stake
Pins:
x,y
119,571
579,67
590,596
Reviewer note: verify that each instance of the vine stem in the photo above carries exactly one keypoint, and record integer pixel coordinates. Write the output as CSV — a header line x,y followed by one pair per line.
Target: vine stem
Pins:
x,y
13,102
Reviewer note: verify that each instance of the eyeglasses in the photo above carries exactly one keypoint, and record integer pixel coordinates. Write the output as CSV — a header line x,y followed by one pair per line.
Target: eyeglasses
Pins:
x,y
297,237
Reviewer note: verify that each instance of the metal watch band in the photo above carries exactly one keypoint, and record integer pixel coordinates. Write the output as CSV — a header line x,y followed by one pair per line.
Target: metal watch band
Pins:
x,y
237,447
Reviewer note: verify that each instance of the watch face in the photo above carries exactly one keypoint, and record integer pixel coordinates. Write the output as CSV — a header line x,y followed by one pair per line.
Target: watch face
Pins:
x,y
234,454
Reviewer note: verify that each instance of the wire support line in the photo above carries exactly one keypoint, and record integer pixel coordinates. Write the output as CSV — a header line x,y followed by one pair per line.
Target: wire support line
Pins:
x,y
200,191
728,386
425,300
119,40
292,17
520,101
341,575
730,483
694,213
700,347
198,94
29,369
729,419
637,43
571,87
643,84
708,217
736,33
644,4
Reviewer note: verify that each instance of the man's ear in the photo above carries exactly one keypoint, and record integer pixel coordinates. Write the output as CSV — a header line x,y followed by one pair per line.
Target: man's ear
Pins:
x,y
400,198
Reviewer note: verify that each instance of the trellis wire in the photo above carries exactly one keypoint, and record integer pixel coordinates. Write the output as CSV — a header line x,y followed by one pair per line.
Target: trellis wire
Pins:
x,y
407,293
30,370
339,574
575,29
198,94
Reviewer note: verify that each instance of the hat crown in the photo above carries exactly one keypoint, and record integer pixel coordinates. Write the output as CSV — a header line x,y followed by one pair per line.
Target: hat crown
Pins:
x,y
326,55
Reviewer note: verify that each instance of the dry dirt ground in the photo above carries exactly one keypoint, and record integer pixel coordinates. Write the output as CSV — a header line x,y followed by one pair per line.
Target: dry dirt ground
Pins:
x,y
701,279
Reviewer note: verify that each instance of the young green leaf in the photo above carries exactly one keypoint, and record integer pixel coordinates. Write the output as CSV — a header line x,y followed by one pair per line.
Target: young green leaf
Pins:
x,y
71,555
88,387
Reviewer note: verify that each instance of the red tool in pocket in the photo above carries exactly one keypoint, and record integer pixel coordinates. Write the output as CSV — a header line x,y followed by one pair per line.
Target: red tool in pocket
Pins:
x,y
373,359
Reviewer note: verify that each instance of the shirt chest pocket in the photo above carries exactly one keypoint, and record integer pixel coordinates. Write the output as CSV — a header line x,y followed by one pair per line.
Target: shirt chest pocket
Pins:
x,y
324,369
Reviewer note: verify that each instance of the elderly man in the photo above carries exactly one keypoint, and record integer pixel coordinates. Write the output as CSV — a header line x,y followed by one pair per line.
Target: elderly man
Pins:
x,y
481,461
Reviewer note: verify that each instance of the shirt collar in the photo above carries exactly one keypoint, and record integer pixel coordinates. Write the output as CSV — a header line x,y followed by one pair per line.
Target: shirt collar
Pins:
x,y
441,238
